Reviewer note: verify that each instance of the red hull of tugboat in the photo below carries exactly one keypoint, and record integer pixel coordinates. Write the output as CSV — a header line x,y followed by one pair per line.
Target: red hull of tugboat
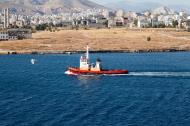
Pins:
x,y
78,71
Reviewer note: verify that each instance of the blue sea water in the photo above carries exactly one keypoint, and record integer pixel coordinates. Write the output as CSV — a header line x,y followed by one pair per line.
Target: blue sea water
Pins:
x,y
155,93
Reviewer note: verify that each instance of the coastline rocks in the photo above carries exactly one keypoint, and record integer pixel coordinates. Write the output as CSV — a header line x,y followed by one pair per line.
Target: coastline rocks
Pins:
x,y
95,51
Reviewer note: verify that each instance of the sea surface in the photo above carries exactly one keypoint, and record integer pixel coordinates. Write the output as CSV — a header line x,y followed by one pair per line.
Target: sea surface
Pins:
x,y
156,92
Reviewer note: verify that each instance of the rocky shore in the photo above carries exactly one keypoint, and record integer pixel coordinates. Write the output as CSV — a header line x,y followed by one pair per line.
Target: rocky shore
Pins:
x,y
98,51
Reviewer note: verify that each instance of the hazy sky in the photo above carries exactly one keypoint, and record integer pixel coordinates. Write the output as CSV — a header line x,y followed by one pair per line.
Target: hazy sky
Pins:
x,y
170,2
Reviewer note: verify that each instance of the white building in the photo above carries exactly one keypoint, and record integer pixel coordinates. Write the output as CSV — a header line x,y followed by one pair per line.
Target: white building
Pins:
x,y
20,24
1,18
4,35
13,34
187,25
143,22
168,19
6,18
119,21
13,19
105,13
183,14
120,13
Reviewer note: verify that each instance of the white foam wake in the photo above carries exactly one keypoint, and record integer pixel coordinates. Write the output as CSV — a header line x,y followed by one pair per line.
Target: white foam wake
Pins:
x,y
70,73
155,74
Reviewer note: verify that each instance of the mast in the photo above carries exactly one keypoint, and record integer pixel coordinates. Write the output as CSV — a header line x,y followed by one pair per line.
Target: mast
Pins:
x,y
87,52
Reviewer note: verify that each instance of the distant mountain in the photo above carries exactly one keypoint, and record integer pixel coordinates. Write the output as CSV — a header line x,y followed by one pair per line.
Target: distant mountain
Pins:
x,y
162,10
46,6
129,5
135,5
180,7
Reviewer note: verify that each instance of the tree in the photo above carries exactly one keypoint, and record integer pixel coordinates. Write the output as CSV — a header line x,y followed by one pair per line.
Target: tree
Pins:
x,y
105,23
135,22
161,25
41,27
175,23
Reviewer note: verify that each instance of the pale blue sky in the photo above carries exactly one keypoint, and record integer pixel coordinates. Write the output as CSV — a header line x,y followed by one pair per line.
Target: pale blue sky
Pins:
x,y
170,2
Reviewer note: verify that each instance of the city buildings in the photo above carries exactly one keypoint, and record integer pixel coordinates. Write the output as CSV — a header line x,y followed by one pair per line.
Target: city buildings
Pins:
x,y
13,30
97,18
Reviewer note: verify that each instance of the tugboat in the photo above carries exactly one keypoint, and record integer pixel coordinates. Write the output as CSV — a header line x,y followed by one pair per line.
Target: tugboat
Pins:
x,y
87,68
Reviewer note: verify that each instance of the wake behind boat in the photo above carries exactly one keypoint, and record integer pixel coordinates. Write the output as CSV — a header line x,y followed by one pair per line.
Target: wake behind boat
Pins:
x,y
87,68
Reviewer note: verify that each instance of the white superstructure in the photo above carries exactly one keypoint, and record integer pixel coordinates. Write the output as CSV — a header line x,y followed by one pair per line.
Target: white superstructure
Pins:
x,y
85,62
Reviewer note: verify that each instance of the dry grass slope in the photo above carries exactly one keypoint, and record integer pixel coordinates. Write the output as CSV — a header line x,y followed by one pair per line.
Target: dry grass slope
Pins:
x,y
104,39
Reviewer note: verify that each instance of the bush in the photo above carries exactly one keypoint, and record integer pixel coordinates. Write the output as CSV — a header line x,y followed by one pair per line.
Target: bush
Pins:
x,y
41,27
149,38
86,28
33,31
161,26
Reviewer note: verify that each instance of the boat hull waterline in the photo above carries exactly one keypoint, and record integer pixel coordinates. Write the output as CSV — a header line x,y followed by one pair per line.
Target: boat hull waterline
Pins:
x,y
77,71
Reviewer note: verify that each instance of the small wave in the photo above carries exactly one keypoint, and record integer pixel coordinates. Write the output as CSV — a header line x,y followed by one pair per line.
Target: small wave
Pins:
x,y
88,75
26,99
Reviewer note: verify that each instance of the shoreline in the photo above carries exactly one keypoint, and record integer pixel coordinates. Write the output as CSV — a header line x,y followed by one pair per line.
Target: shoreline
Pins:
x,y
93,51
